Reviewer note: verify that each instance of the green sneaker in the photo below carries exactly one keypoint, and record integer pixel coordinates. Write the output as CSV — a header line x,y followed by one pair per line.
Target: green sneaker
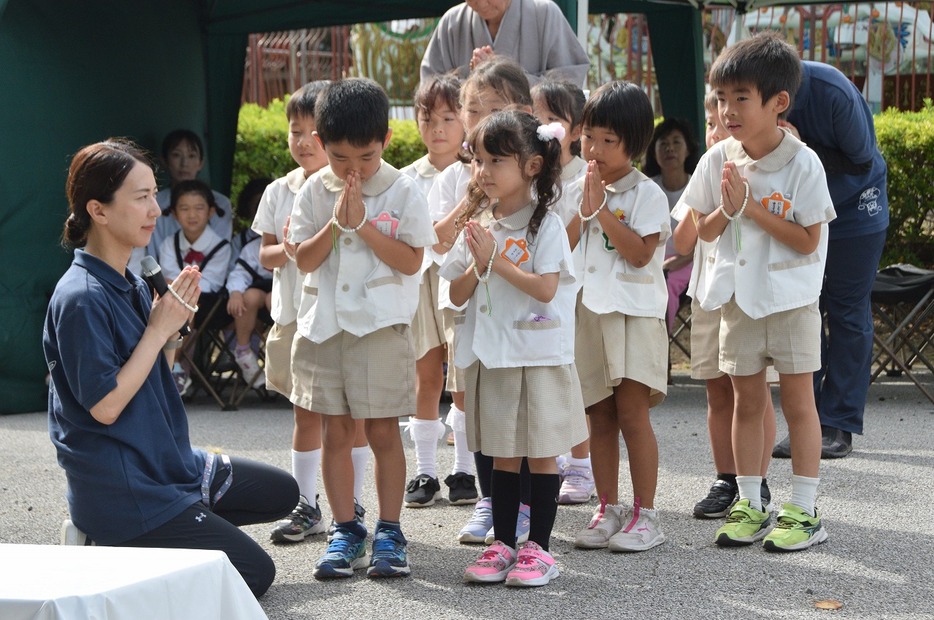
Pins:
x,y
744,526
796,530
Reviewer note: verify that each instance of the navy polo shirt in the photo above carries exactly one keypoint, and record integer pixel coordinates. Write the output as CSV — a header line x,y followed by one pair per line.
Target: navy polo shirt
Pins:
x,y
830,111
136,474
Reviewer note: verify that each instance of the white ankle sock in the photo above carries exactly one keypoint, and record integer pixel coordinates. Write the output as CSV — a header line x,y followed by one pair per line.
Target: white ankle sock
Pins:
x,y
463,458
573,462
750,487
425,434
305,466
360,457
804,492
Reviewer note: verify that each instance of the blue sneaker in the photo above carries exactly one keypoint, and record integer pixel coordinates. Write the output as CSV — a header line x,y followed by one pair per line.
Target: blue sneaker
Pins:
x,y
523,524
481,521
389,556
346,553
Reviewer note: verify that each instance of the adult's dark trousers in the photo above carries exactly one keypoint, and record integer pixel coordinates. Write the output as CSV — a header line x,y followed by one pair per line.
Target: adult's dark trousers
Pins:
x,y
842,383
259,493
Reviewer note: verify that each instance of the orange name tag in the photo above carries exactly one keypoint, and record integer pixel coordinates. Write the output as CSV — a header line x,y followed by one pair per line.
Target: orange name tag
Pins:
x,y
515,251
776,204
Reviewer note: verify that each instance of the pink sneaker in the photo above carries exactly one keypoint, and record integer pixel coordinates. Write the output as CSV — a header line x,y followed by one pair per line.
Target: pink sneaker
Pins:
x,y
534,567
493,564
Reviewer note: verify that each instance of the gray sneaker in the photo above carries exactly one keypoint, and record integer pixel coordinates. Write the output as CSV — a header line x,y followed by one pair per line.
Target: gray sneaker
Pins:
x,y
607,520
304,521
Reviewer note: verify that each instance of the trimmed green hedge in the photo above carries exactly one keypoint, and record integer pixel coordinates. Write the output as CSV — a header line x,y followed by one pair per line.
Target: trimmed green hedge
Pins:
x,y
906,140
263,148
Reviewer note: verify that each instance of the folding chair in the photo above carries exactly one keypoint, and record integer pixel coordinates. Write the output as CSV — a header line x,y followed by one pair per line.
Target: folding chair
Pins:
x,y
206,354
903,306
679,334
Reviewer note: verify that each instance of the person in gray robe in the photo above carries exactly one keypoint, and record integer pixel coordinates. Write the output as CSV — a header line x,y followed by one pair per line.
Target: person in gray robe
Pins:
x,y
534,33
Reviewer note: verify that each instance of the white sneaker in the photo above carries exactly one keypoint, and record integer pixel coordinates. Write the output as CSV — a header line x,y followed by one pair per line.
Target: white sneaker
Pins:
x,y
607,520
249,366
71,535
578,485
640,532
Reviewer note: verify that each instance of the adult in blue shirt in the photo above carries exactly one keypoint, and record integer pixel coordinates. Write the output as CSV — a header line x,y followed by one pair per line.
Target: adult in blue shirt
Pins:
x,y
117,421
831,116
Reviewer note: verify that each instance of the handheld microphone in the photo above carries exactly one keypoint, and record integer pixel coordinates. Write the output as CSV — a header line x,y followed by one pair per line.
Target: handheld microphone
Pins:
x,y
152,273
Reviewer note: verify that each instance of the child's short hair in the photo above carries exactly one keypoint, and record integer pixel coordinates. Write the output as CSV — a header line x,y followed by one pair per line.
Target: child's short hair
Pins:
x,y
194,186
625,110
765,61
302,102
663,130
178,136
503,76
565,99
710,102
438,90
352,109
249,197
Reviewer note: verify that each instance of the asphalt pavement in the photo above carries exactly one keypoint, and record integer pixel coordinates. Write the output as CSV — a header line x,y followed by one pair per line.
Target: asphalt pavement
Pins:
x,y
877,563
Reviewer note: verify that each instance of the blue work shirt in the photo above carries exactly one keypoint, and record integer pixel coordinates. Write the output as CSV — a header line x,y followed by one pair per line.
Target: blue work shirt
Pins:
x,y
129,477
830,113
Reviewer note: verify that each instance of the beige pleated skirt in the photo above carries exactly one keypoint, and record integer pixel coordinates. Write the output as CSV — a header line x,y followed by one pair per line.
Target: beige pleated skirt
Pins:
x,y
428,323
612,347
533,411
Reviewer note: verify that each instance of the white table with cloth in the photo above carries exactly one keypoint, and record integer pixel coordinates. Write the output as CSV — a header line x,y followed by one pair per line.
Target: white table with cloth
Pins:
x,y
42,582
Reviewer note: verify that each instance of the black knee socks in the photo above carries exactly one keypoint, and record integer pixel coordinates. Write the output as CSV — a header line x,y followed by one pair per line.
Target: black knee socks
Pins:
x,y
484,472
543,507
505,494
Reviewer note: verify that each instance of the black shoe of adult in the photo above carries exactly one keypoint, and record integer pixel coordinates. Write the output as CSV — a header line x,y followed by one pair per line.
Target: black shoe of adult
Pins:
x,y
835,443
782,449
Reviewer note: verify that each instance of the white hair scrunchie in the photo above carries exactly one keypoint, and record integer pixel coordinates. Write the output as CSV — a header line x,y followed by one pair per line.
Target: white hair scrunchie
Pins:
x,y
551,131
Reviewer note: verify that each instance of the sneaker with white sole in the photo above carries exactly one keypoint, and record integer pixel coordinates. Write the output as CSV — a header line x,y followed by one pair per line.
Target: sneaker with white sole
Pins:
x,y
577,486
744,526
479,524
796,530
641,531
534,567
304,521
493,564
421,492
249,366
606,521
346,553
523,524
71,535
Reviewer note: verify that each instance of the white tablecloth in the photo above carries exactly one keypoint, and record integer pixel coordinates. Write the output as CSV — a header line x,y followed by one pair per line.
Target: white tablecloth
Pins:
x,y
42,582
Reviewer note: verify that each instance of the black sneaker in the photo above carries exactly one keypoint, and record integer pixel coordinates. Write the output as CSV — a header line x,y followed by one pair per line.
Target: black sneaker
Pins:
x,y
835,443
717,504
766,496
782,449
421,492
462,489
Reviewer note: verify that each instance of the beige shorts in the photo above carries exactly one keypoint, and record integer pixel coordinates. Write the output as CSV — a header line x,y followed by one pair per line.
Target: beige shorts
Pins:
x,y
371,376
705,343
611,347
428,324
533,411
790,340
279,358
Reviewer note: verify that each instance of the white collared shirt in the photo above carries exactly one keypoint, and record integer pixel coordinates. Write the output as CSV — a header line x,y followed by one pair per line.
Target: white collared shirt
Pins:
x,y
517,330
274,209
765,275
424,174
572,190
240,278
704,253
352,290
213,275
610,282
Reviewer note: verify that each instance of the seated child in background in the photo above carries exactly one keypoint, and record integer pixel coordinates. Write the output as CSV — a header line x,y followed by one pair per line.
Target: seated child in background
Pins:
x,y
192,204
183,156
249,285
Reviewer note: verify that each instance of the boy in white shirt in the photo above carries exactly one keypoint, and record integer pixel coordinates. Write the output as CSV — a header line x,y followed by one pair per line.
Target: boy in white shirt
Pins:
x,y
361,227
762,196
248,287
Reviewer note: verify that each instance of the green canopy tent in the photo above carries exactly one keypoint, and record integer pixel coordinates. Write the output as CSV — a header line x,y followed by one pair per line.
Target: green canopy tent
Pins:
x,y
77,72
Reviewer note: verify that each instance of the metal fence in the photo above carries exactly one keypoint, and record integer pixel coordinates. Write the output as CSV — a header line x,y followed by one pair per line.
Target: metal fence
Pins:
x,y
885,48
